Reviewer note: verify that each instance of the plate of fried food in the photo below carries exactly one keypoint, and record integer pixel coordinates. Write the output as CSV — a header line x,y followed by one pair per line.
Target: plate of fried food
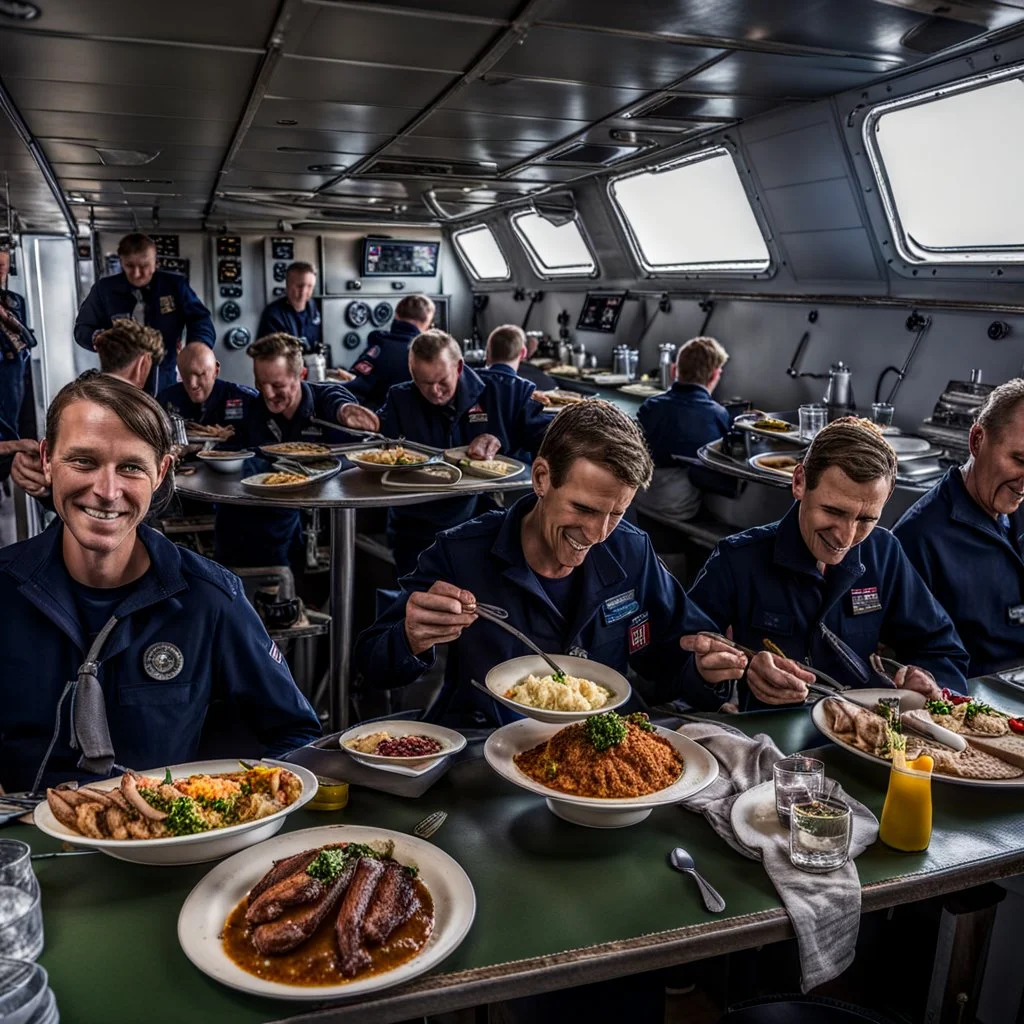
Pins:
x,y
200,433
528,685
768,426
608,771
327,913
184,814
282,480
297,451
500,467
775,463
559,399
994,754
391,458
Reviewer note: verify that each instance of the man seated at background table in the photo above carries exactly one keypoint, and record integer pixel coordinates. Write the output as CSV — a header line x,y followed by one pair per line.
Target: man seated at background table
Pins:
x,y
447,405
571,574
283,410
824,566
680,422
385,360
296,312
168,631
964,536
508,348
201,396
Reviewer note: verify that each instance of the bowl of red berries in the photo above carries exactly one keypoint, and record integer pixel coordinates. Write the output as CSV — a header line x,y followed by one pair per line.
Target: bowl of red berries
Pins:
x,y
400,743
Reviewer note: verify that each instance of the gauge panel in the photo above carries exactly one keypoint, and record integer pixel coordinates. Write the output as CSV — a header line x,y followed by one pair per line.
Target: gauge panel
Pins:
x,y
282,249
381,314
229,246
351,341
229,271
237,337
230,311
357,314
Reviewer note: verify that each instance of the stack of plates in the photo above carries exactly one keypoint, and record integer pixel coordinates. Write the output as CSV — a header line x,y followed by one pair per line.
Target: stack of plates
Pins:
x,y
25,994
916,457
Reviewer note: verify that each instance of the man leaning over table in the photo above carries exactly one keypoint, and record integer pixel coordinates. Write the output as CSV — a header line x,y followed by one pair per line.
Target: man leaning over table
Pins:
x,y
572,575
964,536
824,586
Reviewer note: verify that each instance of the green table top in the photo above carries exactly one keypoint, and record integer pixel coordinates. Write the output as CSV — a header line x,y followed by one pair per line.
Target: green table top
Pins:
x,y
557,904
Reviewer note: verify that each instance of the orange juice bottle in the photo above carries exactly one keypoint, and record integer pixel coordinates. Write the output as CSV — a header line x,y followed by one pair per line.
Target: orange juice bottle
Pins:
x,y
907,815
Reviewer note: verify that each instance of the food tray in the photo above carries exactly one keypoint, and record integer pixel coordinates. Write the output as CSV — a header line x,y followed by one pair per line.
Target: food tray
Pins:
x,y
255,485
642,390
273,451
758,462
455,455
747,423
438,476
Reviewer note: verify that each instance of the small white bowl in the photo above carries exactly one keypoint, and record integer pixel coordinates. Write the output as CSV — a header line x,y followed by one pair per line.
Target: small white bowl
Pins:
x,y
222,465
451,742
509,673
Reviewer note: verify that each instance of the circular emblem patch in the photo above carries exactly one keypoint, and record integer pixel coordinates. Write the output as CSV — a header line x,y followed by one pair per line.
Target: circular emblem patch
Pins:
x,y
163,661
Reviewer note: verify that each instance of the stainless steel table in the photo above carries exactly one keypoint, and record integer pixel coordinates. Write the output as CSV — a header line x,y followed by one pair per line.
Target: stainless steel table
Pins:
x,y
350,490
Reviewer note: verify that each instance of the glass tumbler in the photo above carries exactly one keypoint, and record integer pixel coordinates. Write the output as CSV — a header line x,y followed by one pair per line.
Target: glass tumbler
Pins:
x,y
21,914
819,835
796,779
812,419
881,414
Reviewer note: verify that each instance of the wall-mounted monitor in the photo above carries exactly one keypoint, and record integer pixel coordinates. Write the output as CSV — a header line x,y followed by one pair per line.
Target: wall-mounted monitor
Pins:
x,y
601,313
390,257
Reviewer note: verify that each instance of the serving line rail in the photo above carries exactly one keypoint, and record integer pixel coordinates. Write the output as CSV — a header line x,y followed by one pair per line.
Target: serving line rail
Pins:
x,y
350,490
557,905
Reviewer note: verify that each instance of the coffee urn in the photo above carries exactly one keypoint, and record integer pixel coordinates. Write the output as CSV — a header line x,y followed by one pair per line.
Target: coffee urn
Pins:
x,y
839,391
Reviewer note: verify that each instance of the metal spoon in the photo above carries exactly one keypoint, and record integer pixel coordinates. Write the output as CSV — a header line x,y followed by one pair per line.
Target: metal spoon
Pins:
x,y
682,861
492,613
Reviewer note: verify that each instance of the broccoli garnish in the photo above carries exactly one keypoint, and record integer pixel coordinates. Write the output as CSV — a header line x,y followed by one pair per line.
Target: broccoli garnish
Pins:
x,y
939,707
605,731
641,721
184,819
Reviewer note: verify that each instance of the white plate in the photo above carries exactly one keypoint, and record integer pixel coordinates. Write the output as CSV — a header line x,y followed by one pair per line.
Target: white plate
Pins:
x,y
425,478
256,485
908,701
208,905
195,849
610,378
451,741
412,771
454,455
223,465
274,451
701,769
907,444
507,674
757,461
747,423
355,457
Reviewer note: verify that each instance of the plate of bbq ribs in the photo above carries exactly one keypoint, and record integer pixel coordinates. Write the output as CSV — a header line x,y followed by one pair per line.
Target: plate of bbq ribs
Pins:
x,y
327,913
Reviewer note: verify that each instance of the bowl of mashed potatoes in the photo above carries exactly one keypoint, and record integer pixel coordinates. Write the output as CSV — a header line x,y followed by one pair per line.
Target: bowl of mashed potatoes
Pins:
x,y
526,685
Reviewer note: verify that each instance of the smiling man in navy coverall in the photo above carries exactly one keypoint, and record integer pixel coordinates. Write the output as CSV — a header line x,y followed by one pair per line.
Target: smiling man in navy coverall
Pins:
x,y
964,536
184,634
156,298
296,312
573,576
824,564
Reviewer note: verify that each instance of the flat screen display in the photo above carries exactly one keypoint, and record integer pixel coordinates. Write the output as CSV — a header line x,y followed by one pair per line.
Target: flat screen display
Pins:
x,y
601,313
388,257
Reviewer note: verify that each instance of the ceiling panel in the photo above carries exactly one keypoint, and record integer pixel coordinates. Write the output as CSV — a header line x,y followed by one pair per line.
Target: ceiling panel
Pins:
x,y
499,9
546,173
146,133
57,59
288,163
265,179
466,124
503,153
185,156
337,117
226,23
302,78
558,100
32,94
365,187
857,26
725,108
393,38
601,59
271,139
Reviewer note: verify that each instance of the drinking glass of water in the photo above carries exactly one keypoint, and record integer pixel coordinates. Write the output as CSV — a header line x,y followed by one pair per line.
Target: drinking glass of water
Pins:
x,y
812,419
796,779
819,834
21,914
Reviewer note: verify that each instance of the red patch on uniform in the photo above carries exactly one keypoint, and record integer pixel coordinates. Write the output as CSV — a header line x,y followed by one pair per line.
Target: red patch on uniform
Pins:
x,y
477,408
363,367
275,652
639,636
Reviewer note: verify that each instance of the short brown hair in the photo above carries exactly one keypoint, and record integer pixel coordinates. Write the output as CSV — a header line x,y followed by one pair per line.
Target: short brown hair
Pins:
x,y
417,308
279,345
300,267
505,343
995,415
120,345
856,446
134,244
698,359
429,345
598,431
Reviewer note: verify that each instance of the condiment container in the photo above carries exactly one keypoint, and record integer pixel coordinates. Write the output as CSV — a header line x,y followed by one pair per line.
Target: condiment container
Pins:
x,y
331,795
906,822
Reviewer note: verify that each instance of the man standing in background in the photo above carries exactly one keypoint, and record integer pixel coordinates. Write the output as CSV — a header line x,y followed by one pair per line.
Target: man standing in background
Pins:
x,y
16,341
296,312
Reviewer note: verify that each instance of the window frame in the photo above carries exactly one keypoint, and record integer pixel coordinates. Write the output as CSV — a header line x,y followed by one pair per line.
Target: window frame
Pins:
x,y
911,252
743,268
467,264
534,257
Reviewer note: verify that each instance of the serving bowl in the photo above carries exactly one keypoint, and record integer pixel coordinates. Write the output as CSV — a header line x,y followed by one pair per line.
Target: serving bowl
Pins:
x,y
451,742
508,673
701,769
221,463
193,849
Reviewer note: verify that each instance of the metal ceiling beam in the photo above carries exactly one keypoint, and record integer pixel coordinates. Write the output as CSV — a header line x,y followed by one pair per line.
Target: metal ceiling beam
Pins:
x,y
32,144
516,31
409,12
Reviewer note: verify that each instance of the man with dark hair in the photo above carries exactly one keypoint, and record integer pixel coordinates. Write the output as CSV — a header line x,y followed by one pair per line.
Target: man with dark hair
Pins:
x,y
680,422
160,632
447,405
964,536
129,351
296,312
508,348
154,298
571,574
385,361
823,586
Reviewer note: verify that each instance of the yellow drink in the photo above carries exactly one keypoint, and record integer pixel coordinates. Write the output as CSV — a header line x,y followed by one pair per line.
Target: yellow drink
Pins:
x,y
907,815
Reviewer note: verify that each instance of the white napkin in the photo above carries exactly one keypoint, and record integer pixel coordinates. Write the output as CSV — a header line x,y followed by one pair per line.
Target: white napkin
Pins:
x,y
824,908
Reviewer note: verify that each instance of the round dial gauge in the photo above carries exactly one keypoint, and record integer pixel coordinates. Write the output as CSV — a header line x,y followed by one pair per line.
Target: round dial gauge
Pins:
x,y
237,337
351,341
381,314
357,314
230,311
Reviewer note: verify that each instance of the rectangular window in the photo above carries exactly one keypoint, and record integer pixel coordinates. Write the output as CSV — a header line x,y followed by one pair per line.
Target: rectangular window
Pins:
x,y
690,215
481,253
949,163
554,250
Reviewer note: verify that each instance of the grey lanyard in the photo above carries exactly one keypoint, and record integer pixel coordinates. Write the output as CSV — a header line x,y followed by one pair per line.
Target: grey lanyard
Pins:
x,y
90,731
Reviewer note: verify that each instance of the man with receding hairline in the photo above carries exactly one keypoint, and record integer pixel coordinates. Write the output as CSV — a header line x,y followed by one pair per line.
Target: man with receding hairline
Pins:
x,y
201,396
965,536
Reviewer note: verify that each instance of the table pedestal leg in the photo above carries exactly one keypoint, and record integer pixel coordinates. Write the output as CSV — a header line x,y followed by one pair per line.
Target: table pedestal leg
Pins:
x,y
343,548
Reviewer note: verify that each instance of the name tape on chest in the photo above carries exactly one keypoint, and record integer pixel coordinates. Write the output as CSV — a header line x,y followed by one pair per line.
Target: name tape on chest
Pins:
x,y
864,600
234,409
167,304
1015,615
619,607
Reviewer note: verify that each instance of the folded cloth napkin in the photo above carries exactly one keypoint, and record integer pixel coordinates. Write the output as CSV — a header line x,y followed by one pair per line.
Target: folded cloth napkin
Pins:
x,y
824,909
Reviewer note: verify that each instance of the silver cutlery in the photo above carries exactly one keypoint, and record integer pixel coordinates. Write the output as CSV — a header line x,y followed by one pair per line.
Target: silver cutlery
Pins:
x,y
682,861
430,824
492,613
62,853
294,467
